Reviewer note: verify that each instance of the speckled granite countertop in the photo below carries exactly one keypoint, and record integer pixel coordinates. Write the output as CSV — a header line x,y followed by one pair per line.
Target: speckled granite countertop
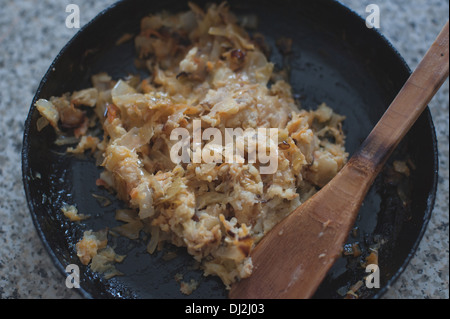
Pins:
x,y
31,34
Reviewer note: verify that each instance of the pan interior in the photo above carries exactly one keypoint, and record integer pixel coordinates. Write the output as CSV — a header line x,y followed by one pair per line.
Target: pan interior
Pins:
x,y
335,59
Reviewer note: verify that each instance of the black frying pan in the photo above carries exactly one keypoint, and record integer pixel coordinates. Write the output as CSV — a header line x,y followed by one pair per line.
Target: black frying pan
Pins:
x,y
335,59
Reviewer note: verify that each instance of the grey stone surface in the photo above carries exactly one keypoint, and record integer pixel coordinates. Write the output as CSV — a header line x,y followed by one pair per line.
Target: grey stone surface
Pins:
x,y
31,34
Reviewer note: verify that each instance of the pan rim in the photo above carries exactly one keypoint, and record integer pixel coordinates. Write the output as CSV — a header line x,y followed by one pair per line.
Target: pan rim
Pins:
x,y
432,195
25,150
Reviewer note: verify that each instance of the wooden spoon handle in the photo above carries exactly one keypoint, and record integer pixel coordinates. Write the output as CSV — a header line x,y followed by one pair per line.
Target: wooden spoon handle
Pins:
x,y
408,105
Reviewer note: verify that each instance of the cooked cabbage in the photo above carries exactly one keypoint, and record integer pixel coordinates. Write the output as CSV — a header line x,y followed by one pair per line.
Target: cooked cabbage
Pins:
x,y
204,67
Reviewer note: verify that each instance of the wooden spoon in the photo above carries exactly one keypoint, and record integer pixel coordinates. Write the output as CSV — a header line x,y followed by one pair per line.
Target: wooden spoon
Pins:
x,y
294,257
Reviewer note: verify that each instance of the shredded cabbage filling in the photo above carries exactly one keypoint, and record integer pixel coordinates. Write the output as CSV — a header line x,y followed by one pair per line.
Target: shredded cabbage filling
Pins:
x,y
203,65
